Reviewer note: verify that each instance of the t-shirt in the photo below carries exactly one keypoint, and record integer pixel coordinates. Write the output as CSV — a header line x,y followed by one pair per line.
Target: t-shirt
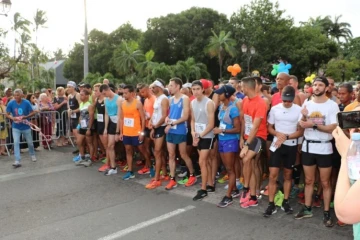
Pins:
x,y
276,99
226,118
255,108
16,110
286,120
320,114
351,106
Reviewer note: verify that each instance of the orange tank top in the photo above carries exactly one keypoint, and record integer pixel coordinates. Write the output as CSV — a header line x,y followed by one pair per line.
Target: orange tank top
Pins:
x,y
131,119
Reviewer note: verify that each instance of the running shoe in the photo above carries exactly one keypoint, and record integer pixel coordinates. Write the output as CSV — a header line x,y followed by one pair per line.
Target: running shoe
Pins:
x,y
304,213
16,164
224,179
316,202
286,207
301,195
294,192
33,158
125,169
265,192
235,193
327,220
76,151
164,178
104,160
144,170
332,204
210,189
103,168
226,201
153,184
239,186
192,180
94,159
244,197
80,162
87,163
340,223
271,209
182,174
249,203
183,181
171,185
110,172
76,158
128,175
139,163
201,194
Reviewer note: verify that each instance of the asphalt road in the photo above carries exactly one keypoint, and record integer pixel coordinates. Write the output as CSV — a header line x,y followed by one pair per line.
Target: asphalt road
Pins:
x,y
54,199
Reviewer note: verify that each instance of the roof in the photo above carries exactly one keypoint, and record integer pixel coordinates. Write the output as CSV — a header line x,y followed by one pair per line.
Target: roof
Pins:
x,y
52,64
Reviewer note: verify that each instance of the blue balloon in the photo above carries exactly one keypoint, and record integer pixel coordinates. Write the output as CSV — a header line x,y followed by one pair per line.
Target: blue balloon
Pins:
x,y
284,68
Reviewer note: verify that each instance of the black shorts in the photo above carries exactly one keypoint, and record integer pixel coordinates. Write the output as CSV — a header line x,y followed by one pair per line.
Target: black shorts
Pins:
x,y
206,143
111,128
100,127
73,123
94,127
257,144
189,138
285,155
159,132
82,131
335,157
270,138
147,132
311,159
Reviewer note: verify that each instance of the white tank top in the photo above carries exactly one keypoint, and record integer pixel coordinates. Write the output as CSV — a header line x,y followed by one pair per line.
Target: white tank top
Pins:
x,y
157,114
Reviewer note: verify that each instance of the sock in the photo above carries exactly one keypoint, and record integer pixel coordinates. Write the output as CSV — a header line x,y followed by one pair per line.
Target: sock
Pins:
x,y
82,157
272,204
296,174
253,198
246,189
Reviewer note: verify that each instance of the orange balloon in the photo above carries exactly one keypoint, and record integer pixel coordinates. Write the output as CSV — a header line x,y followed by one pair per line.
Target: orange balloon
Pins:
x,y
234,73
230,68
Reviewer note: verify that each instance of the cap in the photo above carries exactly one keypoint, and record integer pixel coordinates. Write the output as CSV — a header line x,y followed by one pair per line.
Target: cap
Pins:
x,y
7,89
186,85
288,94
227,89
321,79
82,84
157,83
71,84
206,83
122,85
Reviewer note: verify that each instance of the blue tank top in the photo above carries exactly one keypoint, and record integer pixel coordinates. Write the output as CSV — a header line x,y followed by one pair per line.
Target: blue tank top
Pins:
x,y
176,111
111,106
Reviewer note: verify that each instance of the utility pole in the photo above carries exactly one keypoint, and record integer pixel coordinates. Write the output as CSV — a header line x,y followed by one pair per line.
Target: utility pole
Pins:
x,y
86,47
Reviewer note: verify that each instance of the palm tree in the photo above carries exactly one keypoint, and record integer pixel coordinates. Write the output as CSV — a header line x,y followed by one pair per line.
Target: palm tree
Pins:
x,y
144,68
190,69
127,57
39,20
21,28
163,71
220,45
340,30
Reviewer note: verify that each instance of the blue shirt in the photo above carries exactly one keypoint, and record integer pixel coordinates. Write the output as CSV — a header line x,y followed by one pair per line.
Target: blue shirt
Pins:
x,y
16,110
176,111
111,106
233,113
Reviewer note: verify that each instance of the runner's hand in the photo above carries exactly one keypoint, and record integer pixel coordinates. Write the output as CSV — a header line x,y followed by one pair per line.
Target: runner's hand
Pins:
x,y
105,132
244,151
304,111
241,144
280,136
217,130
306,124
121,137
152,134
167,129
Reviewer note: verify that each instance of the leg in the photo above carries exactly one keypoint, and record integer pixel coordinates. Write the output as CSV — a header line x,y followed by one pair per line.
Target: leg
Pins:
x,y
309,172
16,135
111,151
287,182
273,176
172,165
145,152
80,143
325,174
129,156
104,140
185,157
28,138
247,170
213,163
229,163
158,142
204,166
89,142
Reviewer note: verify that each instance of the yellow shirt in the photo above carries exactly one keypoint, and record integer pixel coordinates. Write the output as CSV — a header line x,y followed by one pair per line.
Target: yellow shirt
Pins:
x,y
351,106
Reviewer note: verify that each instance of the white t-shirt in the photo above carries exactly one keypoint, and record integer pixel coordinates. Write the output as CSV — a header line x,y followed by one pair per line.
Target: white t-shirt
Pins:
x,y
285,120
320,114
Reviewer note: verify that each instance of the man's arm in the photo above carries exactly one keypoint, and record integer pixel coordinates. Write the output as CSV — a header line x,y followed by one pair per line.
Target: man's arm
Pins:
x,y
297,100
186,111
91,116
254,129
192,122
106,118
142,115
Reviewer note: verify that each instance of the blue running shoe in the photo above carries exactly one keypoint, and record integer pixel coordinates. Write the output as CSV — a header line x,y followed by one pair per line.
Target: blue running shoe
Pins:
x,y
239,185
128,175
77,158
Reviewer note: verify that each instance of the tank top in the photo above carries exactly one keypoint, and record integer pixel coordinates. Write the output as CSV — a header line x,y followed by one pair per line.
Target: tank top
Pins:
x,y
176,112
276,99
149,109
84,115
157,114
74,104
112,108
201,116
100,111
131,122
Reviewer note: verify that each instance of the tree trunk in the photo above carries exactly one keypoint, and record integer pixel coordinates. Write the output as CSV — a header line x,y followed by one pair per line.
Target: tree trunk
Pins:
x,y
220,65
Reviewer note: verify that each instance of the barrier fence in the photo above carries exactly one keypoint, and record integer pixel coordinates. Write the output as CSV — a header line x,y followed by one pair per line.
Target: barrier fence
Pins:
x,y
52,125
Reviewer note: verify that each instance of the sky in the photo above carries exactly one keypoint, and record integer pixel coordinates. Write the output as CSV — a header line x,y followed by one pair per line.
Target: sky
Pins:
x,y
66,19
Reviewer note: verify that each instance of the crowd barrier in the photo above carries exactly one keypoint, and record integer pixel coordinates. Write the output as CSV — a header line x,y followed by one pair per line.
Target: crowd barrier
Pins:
x,y
52,125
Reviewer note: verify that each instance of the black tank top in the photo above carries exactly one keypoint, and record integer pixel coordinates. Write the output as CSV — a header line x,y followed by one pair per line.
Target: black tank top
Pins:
x,y
100,107
74,104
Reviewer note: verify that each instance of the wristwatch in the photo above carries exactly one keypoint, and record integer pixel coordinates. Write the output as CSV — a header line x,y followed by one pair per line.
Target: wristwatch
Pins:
x,y
142,134
315,126
246,143
117,133
287,137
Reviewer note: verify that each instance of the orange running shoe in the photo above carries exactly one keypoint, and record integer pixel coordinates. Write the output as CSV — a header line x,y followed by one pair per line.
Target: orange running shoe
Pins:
x,y
144,170
192,180
171,185
103,168
153,184
164,178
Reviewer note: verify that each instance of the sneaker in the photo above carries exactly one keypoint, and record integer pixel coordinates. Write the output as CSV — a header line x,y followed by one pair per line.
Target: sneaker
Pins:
x,y
16,164
271,209
192,180
128,175
226,201
304,213
152,171
224,179
77,158
235,193
182,174
144,170
33,158
111,172
239,186
80,162
121,163
286,207
201,194
76,151
94,159
265,192
294,192
87,163
171,185
183,181
249,203
104,168
210,189
244,197
316,202
258,196
164,178
340,223
153,184
139,163
327,220
87,156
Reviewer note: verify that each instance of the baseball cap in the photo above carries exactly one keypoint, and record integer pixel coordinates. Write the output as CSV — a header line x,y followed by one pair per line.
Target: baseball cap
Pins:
x,y
71,84
81,84
322,79
206,83
227,89
186,85
159,84
288,94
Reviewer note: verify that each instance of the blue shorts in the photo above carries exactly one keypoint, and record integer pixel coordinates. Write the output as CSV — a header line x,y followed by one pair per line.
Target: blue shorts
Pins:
x,y
229,146
133,141
175,138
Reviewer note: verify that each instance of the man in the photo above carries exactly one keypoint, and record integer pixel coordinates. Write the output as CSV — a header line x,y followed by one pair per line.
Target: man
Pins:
x,y
345,94
106,81
318,118
120,89
202,124
73,111
254,131
330,89
234,82
176,131
283,125
294,82
132,126
282,80
112,111
145,93
8,95
161,107
19,111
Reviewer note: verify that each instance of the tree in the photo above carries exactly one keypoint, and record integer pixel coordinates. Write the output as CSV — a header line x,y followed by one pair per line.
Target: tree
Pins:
x,y
127,57
145,68
40,20
190,70
162,71
125,32
58,55
341,69
219,46
340,30
352,49
74,68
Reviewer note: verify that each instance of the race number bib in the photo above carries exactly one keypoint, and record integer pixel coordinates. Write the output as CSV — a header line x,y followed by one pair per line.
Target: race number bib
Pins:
x,y
83,123
273,147
173,127
114,119
248,124
100,117
129,122
222,126
200,127
73,115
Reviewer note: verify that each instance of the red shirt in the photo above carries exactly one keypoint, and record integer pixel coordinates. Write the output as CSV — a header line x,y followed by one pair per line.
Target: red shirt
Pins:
x,y
276,99
255,108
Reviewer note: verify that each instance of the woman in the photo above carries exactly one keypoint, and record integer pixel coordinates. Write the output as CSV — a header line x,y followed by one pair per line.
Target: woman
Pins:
x,y
60,105
3,128
34,119
46,120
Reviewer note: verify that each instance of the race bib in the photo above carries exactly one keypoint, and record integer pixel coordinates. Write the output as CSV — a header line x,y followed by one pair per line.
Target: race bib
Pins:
x,y
73,115
248,124
100,117
173,127
222,126
273,147
200,127
114,119
83,123
129,122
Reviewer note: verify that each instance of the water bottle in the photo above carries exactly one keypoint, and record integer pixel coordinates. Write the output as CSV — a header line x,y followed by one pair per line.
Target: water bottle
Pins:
x,y
353,158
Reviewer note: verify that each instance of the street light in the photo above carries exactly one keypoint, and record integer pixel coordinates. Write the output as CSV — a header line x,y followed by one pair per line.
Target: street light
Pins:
x,y
244,49
5,6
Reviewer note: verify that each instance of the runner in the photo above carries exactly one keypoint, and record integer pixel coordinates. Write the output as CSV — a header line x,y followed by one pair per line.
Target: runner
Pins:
x,y
73,111
294,82
176,131
318,118
283,125
202,123
330,89
132,126
234,82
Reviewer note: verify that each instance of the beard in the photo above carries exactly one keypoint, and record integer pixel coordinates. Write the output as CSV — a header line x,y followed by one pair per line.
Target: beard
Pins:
x,y
320,93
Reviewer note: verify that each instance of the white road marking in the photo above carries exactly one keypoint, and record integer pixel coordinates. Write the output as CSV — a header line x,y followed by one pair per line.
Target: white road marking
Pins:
x,y
147,223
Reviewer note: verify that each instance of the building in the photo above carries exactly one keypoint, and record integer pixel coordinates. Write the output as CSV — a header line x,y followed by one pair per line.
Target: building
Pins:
x,y
58,67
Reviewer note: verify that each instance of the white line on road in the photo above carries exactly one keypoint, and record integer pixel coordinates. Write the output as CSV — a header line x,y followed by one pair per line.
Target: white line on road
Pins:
x,y
145,224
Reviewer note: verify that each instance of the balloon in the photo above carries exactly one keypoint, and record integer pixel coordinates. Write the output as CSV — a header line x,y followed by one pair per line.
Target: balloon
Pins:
x,y
237,67
234,70
274,72
284,67
310,78
230,68
234,73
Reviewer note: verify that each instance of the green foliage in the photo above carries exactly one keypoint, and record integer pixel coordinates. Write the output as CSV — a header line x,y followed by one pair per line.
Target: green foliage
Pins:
x,y
352,49
339,68
127,57
190,70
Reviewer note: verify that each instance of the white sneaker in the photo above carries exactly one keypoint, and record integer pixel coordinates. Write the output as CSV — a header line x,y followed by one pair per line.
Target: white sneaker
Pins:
x,y
111,172
87,163
80,162
33,158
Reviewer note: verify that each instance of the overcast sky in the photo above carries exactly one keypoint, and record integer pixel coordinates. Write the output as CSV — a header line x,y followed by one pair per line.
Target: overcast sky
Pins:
x,y
66,17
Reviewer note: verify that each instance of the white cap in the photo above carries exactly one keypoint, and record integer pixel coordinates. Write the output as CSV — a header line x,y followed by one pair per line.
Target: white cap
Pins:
x,y
157,83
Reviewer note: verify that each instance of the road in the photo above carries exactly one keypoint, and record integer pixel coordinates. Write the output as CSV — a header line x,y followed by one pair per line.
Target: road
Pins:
x,y
54,199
